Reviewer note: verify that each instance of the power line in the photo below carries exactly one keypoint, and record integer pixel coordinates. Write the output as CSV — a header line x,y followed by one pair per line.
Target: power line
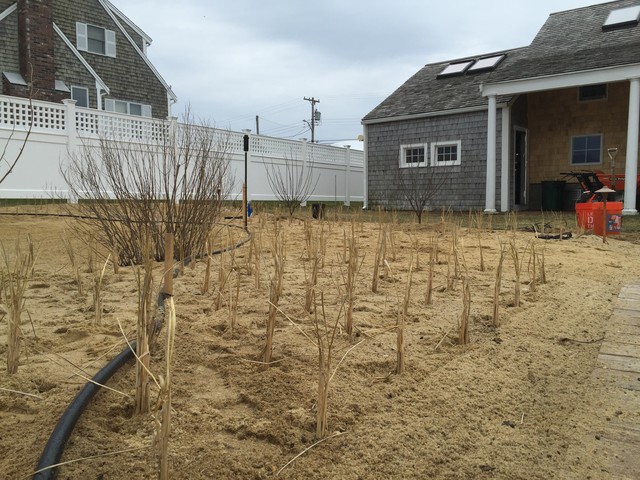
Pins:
x,y
315,116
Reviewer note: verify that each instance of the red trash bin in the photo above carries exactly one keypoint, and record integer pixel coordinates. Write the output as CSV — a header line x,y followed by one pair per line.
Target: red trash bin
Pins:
x,y
614,218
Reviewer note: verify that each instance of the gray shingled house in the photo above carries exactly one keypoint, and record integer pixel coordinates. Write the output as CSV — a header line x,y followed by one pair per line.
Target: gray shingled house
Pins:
x,y
87,50
495,127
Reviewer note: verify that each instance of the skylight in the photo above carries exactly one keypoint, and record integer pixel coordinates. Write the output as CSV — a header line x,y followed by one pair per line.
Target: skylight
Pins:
x,y
622,17
455,68
487,63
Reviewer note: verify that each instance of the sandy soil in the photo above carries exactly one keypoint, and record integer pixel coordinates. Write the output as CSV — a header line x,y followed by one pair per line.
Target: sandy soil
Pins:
x,y
518,402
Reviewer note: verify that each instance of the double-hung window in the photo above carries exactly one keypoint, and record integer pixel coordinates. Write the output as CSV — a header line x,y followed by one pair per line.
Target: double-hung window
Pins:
x,y
130,108
90,38
445,153
413,155
586,149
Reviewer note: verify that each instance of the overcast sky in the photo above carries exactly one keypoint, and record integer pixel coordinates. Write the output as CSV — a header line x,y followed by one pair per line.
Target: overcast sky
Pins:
x,y
233,60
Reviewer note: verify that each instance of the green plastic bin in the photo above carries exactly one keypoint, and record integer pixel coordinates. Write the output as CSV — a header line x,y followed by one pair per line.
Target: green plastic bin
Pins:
x,y
552,193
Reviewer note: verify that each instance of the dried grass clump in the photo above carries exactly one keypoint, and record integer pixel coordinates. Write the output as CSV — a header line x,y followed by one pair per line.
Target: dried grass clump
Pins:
x,y
14,280
497,286
75,267
278,252
144,325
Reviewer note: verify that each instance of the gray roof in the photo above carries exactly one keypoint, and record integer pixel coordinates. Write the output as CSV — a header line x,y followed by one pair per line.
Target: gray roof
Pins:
x,y
569,41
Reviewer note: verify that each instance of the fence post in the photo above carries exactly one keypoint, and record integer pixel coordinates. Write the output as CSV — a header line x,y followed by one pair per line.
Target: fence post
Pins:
x,y
70,126
304,153
347,176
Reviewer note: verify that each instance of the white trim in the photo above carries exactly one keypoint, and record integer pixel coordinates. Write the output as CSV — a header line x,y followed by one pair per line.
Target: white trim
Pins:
x,y
446,163
110,106
439,113
631,163
80,57
490,183
110,43
9,10
403,155
82,37
146,38
137,49
563,80
586,135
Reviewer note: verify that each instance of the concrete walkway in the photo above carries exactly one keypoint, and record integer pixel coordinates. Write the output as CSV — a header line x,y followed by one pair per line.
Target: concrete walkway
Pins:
x,y
618,369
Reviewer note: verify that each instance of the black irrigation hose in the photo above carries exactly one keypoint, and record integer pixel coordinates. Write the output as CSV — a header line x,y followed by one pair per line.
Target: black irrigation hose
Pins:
x,y
58,439
52,452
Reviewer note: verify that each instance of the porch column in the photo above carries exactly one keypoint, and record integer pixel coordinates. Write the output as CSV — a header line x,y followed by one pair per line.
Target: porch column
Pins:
x,y
631,168
504,156
490,196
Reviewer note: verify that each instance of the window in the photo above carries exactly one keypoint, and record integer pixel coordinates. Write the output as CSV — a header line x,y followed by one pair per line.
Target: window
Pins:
x,y
413,155
90,38
130,108
586,149
592,92
455,69
81,96
622,17
486,64
445,153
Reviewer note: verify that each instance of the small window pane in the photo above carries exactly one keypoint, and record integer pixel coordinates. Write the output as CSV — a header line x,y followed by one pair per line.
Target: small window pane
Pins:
x,y
81,96
592,92
586,149
414,155
121,107
447,153
135,109
96,40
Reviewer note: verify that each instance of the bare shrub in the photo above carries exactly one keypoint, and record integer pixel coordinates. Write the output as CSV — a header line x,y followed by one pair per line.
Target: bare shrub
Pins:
x,y
418,186
292,181
172,185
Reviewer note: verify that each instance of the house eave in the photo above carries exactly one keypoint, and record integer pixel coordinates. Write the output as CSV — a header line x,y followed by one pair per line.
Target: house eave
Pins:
x,y
439,113
128,21
563,80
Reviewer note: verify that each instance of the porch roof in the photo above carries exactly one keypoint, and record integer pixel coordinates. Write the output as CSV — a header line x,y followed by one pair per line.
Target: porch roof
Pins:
x,y
569,42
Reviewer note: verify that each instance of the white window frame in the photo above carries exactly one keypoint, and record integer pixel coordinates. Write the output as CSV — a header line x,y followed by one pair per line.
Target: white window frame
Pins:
x,y
586,135
86,92
403,155
110,106
82,40
448,163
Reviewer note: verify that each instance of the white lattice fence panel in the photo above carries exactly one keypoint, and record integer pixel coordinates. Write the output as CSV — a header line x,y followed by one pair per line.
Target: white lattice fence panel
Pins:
x,y
19,113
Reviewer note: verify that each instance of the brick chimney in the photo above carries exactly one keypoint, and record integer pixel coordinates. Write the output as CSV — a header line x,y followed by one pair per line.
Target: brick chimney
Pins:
x,y
36,48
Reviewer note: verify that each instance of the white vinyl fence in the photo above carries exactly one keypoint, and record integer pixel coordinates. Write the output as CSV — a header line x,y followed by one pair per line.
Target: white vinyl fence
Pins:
x,y
61,129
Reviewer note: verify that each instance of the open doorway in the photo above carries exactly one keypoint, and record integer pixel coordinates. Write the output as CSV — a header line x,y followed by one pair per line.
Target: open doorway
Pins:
x,y
520,168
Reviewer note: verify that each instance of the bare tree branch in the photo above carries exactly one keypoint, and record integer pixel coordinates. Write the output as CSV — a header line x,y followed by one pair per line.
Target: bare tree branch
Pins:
x,y
292,183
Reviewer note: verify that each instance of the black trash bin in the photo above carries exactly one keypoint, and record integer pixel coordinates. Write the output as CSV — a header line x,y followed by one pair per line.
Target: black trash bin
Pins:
x,y
317,210
552,194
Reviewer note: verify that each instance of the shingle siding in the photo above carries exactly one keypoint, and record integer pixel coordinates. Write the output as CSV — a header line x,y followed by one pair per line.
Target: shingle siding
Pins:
x,y
464,184
9,60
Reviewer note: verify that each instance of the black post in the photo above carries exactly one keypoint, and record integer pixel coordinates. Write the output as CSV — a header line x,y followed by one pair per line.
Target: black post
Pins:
x,y
245,195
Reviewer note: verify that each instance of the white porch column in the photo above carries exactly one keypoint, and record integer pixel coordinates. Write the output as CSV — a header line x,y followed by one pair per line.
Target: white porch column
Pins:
x,y
504,156
490,196
347,177
631,169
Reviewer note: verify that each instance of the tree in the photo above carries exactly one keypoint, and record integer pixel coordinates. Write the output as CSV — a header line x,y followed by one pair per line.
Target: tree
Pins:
x,y
418,186
174,182
292,182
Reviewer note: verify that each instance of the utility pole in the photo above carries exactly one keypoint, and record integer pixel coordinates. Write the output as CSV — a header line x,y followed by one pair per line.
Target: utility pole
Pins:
x,y
257,125
315,115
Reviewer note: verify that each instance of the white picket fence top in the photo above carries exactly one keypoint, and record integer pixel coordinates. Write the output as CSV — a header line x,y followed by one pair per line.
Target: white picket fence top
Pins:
x,y
65,118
